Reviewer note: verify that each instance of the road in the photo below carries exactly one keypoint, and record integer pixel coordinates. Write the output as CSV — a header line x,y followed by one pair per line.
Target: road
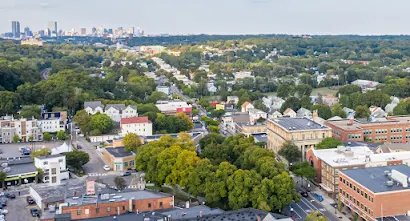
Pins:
x,y
307,205
96,164
174,89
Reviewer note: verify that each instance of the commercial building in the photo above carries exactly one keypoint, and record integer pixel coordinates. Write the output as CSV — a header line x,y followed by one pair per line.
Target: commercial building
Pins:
x,y
54,168
303,132
32,41
141,126
119,159
93,201
251,128
15,29
172,107
329,162
19,171
366,85
53,122
52,29
395,129
378,192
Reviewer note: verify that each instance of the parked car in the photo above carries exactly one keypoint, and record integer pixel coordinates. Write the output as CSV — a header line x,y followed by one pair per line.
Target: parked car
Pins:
x,y
132,170
30,200
34,212
3,201
107,168
79,147
126,173
3,211
10,195
319,197
304,194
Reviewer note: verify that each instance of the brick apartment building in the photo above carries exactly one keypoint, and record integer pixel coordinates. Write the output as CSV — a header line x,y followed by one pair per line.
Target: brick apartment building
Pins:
x,y
391,129
376,192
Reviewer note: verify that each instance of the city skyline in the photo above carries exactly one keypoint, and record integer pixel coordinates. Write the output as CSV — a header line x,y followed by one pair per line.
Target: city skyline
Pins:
x,y
213,17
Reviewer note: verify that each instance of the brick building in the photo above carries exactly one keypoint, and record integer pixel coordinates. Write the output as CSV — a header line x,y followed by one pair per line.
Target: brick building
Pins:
x,y
376,192
391,129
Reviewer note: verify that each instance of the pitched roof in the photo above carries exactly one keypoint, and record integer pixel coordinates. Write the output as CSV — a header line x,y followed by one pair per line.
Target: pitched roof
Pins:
x,y
93,104
135,120
246,103
116,106
288,111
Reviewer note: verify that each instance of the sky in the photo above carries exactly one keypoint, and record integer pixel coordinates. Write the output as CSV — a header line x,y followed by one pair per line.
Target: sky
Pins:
x,y
364,17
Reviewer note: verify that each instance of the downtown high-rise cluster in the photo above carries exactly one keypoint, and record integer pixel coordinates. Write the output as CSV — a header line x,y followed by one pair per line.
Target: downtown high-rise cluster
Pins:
x,y
52,31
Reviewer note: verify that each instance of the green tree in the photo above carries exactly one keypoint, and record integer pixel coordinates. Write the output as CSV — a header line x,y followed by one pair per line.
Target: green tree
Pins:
x,y
323,111
217,113
315,216
30,111
290,152
362,112
211,139
16,138
9,102
284,91
306,102
61,135
83,121
292,103
337,110
303,90
30,138
214,129
131,142
40,175
76,159
304,170
3,176
328,143
40,152
349,89
258,104
46,136
120,183
240,185
102,123
198,176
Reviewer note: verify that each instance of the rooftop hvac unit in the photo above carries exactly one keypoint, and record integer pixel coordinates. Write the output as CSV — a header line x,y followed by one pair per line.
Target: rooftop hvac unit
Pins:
x,y
389,183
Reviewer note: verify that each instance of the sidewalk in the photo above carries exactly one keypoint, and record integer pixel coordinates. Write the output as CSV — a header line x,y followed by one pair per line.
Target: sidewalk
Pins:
x,y
327,203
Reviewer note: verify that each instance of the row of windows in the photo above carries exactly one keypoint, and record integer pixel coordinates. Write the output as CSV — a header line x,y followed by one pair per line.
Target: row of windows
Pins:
x,y
117,209
364,194
311,136
357,202
397,137
396,130
354,136
367,132
131,163
381,138
381,131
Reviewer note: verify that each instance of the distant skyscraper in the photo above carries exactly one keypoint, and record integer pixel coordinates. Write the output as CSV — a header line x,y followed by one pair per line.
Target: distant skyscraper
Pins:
x,y
94,31
27,32
131,31
41,33
15,29
110,32
83,32
52,29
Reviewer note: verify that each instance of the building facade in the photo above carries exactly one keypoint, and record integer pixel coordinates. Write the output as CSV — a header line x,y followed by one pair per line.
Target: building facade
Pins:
x,y
118,159
54,168
390,129
141,126
303,132
173,107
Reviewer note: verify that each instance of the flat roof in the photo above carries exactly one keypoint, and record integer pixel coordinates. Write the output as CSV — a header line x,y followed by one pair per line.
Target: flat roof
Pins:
x,y
375,179
296,124
358,124
51,156
118,152
344,156
262,137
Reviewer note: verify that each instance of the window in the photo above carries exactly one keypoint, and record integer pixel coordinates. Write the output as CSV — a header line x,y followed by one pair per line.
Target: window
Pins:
x,y
108,209
340,179
117,208
160,204
132,163
78,212
60,160
97,210
45,163
323,135
358,191
133,207
354,187
149,205
125,164
123,207
54,179
53,171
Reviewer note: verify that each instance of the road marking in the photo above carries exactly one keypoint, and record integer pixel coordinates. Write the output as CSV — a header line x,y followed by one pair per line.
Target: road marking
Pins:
x,y
297,214
315,208
301,208
97,174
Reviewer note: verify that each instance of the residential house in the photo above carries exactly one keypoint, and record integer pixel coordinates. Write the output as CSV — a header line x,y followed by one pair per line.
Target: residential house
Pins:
x,y
141,126
330,100
7,130
27,128
53,122
93,107
232,100
289,113
349,112
164,89
246,106
256,114
377,112
274,114
54,168
303,112
392,148
230,119
211,88
366,85
242,74
118,111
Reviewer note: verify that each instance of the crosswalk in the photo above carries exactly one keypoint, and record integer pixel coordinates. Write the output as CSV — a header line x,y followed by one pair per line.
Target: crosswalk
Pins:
x,y
97,174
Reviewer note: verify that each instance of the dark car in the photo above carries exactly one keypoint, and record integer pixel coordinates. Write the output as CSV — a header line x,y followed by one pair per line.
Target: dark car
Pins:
x,y
126,173
132,170
34,212
304,194
10,195
30,200
79,147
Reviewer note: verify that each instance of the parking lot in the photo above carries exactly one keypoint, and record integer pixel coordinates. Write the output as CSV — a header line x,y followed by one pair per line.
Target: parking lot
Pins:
x,y
19,210
13,149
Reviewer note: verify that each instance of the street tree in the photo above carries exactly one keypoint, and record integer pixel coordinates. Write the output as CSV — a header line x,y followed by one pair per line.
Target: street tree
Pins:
x,y
328,143
362,112
120,183
83,121
131,142
46,136
315,216
40,152
16,138
76,159
290,152
61,135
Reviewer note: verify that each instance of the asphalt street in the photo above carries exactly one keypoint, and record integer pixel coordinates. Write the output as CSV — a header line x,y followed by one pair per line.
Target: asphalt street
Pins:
x,y
96,164
13,149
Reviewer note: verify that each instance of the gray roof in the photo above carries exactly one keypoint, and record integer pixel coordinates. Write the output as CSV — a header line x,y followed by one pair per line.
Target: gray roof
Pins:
x,y
93,104
294,124
247,214
374,178
118,152
20,166
262,137
303,112
132,106
119,107
50,156
192,212
130,217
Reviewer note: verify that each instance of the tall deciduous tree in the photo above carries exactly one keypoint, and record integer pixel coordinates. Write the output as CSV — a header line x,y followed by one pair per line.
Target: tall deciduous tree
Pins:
x,y
131,142
362,112
328,143
9,102
290,152
76,159
102,123
323,111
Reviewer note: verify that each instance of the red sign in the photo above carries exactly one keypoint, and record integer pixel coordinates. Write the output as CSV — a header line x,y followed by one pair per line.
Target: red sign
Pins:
x,y
90,187
184,109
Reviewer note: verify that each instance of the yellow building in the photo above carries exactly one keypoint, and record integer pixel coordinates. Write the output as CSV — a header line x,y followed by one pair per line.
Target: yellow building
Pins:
x,y
220,107
303,132
32,41
250,128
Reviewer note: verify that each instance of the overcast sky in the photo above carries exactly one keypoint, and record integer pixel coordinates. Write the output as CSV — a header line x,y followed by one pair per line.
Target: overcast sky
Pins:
x,y
367,17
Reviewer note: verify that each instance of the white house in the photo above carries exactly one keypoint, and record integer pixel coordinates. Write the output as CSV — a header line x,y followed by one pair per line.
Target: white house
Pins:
x,y
163,89
211,88
232,100
26,128
54,168
93,107
242,74
129,111
173,106
256,114
118,111
289,113
141,126
51,125
303,112
246,106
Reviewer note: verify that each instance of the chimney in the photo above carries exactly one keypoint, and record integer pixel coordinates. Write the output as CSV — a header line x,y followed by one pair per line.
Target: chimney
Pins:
x,y
259,218
315,116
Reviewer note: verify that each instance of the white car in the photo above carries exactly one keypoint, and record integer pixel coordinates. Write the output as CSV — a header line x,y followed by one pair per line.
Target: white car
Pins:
x,y
3,211
107,168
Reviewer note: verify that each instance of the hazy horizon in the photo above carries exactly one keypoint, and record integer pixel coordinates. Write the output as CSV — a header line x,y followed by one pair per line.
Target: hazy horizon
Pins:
x,y
316,17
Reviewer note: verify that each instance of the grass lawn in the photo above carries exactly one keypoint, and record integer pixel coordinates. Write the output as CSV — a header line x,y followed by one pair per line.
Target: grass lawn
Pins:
x,y
323,91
